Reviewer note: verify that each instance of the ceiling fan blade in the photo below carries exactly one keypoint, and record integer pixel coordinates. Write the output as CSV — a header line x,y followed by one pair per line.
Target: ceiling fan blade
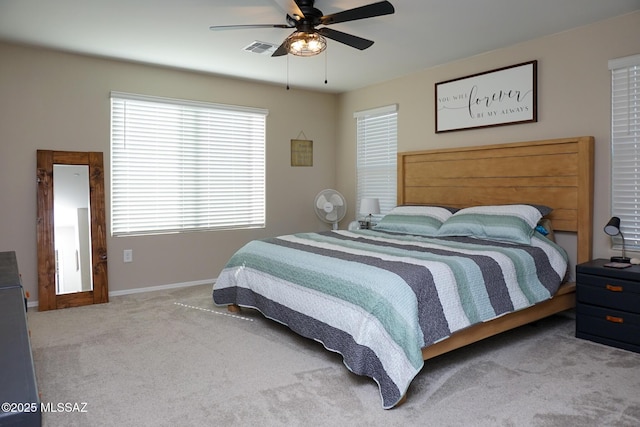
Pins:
x,y
288,7
246,27
348,39
362,12
282,50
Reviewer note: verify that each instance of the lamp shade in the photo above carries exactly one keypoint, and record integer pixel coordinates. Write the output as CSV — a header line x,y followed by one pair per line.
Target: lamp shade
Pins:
x,y
613,229
369,206
613,226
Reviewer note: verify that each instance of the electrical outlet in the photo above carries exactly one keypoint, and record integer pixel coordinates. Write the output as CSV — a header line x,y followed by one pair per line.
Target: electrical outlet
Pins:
x,y
127,255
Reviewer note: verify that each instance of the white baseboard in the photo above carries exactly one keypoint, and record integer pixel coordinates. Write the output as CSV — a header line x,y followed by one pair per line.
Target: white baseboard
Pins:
x,y
148,289
162,287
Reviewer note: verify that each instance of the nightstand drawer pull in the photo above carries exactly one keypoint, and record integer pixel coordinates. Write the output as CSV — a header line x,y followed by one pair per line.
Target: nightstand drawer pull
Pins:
x,y
613,288
615,319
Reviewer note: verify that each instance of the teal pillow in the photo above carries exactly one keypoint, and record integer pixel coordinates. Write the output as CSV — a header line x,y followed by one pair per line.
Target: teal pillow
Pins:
x,y
504,223
419,220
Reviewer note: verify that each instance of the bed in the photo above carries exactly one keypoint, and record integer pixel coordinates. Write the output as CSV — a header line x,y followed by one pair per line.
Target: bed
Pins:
x,y
435,274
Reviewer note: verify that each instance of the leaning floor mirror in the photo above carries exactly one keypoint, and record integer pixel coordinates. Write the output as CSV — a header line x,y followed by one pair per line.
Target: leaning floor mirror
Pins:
x,y
71,232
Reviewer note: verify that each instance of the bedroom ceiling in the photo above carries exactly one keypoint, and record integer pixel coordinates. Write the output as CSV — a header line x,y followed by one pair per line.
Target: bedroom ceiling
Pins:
x,y
175,33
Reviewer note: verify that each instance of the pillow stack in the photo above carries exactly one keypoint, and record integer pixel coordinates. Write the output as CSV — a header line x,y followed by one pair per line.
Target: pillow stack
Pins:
x,y
503,223
419,220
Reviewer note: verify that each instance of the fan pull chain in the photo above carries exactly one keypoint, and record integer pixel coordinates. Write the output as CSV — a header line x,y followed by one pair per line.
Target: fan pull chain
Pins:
x,y
325,66
287,71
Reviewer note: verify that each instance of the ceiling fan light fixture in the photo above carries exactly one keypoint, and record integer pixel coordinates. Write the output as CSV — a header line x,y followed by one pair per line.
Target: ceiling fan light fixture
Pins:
x,y
302,43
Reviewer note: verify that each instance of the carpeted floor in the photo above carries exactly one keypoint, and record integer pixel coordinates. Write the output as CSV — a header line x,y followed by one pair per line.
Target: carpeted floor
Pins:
x,y
171,358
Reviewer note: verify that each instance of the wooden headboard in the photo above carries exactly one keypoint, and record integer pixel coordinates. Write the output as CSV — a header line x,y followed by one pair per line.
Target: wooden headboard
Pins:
x,y
557,173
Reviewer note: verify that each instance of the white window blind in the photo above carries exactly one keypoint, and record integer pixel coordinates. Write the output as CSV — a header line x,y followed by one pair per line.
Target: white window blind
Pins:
x,y
181,166
377,145
625,148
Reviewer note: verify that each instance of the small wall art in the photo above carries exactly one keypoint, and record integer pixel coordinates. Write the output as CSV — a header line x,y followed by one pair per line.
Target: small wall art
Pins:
x,y
301,152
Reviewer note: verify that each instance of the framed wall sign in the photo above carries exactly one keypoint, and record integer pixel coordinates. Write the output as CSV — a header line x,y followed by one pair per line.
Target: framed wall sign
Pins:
x,y
301,152
499,97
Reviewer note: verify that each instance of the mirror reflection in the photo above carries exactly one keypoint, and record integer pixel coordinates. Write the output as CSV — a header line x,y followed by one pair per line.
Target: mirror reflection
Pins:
x,y
72,230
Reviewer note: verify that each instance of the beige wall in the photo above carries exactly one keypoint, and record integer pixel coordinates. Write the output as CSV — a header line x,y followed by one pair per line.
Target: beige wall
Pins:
x,y
59,101
573,100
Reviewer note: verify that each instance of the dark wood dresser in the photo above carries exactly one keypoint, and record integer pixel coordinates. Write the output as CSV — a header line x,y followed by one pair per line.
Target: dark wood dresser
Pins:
x,y
18,390
608,304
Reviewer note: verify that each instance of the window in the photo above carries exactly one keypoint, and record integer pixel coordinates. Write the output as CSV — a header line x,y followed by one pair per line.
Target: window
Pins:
x,y
181,166
377,140
625,147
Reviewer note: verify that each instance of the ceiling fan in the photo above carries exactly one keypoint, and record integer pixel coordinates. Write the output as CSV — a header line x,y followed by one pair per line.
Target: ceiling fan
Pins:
x,y
307,40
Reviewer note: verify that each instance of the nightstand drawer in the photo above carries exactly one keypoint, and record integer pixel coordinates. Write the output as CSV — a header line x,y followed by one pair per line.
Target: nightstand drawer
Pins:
x,y
611,324
608,292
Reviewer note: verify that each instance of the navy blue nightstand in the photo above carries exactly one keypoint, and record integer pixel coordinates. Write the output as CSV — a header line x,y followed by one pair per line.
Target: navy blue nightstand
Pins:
x,y
608,304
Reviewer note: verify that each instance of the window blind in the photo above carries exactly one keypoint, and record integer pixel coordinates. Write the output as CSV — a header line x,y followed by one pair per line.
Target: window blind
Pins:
x,y
625,148
180,166
377,148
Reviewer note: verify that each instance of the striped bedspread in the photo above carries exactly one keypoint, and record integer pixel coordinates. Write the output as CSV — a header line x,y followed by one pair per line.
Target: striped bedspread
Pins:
x,y
378,298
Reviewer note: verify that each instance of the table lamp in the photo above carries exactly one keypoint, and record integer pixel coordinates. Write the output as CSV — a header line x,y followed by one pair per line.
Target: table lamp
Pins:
x,y
369,206
613,229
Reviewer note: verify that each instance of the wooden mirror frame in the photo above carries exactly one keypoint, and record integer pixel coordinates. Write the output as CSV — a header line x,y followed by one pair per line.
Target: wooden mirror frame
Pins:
x,y
47,297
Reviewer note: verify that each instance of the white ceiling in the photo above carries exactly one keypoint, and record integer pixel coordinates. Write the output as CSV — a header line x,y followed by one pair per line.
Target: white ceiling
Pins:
x,y
175,33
